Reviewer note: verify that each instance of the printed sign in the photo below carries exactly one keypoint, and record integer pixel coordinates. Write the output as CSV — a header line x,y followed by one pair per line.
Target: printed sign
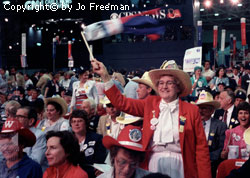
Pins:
x,y
192,59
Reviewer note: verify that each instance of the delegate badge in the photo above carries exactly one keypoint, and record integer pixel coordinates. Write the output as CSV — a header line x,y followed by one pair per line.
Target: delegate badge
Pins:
x,y
154,121
182,123
135,135
152,127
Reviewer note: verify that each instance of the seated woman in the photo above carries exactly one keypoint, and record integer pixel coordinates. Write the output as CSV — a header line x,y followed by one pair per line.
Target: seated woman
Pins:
x,y
220,77
56,108
235,136
91,147
63,156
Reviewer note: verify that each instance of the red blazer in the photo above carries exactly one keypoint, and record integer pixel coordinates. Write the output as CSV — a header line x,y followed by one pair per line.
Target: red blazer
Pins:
x,y
195,152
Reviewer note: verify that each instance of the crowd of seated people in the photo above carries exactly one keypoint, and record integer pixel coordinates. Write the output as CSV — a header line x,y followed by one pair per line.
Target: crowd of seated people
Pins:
x,y
76,124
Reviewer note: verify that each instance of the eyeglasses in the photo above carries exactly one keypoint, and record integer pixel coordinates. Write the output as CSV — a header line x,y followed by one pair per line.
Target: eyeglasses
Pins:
x,y
168,83
122,163
21,117
76,121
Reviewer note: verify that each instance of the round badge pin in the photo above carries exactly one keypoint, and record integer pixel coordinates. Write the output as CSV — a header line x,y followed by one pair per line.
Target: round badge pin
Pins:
x,y
154,121
237,138
135,135
152,127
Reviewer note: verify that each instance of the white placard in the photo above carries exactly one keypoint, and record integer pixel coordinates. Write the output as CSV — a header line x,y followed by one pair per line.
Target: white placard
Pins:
x,y
71,63
192,58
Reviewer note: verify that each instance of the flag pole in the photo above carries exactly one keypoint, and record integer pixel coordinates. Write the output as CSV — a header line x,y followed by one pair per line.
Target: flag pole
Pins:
x,y
87,45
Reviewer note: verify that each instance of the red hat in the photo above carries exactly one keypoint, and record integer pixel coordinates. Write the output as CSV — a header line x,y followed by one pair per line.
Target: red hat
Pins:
x,y
130,137
13,125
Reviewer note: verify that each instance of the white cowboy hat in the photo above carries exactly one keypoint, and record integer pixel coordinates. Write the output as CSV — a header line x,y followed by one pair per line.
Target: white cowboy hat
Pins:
x,y
145,79
206,98
171,68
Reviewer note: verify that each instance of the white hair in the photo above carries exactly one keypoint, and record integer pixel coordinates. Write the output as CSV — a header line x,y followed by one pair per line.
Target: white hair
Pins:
x,y
91,103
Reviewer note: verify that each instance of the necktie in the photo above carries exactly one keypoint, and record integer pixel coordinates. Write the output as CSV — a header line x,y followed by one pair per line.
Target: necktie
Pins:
x,y
225,117
204,124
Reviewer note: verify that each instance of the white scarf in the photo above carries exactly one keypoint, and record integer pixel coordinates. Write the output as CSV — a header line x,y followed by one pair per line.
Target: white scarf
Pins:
x,y
164,129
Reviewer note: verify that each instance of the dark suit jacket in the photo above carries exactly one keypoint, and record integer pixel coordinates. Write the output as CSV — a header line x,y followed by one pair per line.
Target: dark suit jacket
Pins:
x,y
94,152
233,120
244,83
216,138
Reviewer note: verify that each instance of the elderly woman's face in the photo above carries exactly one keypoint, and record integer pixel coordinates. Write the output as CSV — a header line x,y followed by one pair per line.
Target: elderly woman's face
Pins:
x,y
52,113
55,153
9,149
167,88
243,117
78,125
124,165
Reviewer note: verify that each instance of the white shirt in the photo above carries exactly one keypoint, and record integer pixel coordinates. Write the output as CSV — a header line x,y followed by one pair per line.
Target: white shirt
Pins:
x,y
115,128
207,127
229,114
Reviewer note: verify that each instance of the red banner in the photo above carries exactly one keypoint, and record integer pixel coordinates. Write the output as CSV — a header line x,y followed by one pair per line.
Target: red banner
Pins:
x,y
69,50
215,39
243,31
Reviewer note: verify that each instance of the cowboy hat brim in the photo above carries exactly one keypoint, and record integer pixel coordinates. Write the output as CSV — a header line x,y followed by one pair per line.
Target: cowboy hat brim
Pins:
x,y
60,101
108,142
181,76
130,120
30,138
246,136
145,82
215,104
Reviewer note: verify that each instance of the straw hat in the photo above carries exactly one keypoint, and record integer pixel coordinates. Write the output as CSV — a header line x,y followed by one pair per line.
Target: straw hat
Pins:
x,y
207,98
105,101
246,136
171,68
145,79
128,119
130,137
13,125
60,101
119,77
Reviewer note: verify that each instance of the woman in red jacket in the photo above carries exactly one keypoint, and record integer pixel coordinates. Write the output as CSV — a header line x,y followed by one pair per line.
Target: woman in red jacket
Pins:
x,y
172,129
63,156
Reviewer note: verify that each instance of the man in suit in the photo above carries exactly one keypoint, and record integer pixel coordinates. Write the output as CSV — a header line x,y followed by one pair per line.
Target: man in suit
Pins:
x,y
245,78
214,128
107,124
172,128
27,116
90,107
227,113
